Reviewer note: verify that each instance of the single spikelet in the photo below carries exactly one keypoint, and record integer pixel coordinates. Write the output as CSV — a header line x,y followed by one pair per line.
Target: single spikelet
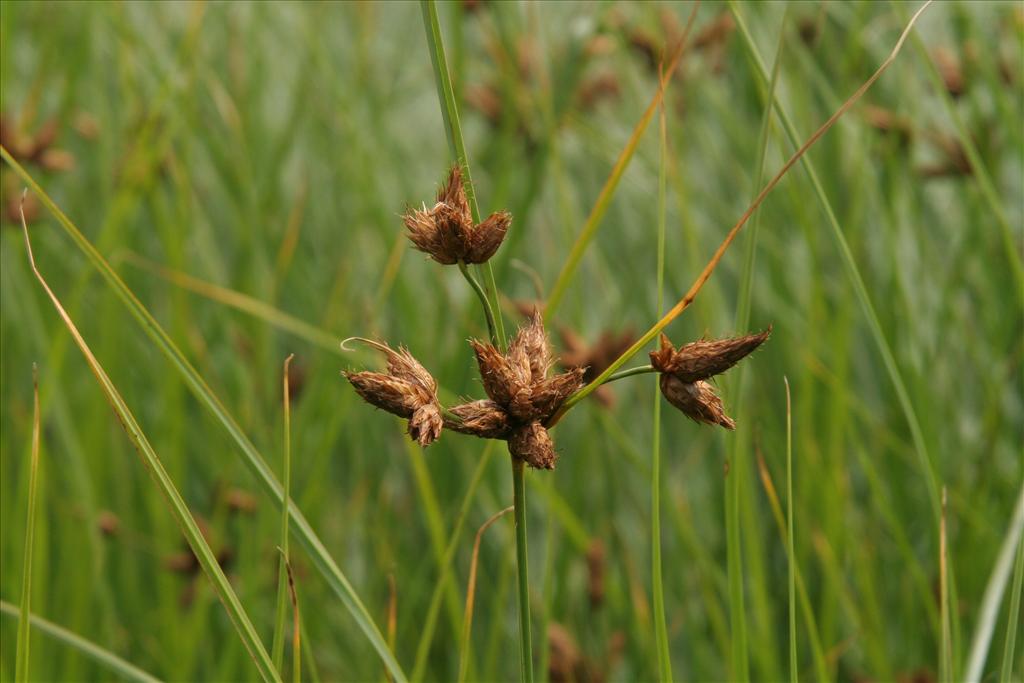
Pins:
x,y
684,373
532,444
702,359
502,378
697,400
406,390
483,241
485,419
546,395
446,231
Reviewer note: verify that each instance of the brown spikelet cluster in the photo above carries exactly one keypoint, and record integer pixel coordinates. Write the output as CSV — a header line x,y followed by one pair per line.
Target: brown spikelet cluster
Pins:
x,y
406,390
522,395
595,358
685,371
36,149
524,398
596,573
568,663
446,231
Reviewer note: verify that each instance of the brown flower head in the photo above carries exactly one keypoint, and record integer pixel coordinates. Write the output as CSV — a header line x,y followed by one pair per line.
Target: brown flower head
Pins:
x,y
446,231
522,396
406,390
684,373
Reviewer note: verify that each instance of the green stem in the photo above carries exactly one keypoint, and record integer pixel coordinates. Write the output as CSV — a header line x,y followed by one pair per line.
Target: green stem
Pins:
x,y
519,502
489,297
488,313
277,647
24,633
657,584
621,374
453,131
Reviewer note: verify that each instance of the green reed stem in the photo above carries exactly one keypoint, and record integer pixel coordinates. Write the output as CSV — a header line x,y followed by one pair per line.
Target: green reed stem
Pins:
x,y
277,647
453,130
519,502
794,671
629,372
657,585
456,145
24,634
488,313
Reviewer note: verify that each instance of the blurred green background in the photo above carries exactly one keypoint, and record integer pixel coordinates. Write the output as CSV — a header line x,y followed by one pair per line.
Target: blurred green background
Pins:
x,y
267,150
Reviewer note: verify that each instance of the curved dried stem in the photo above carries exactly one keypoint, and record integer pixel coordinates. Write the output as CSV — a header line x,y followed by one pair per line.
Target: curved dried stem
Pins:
x,y
705,274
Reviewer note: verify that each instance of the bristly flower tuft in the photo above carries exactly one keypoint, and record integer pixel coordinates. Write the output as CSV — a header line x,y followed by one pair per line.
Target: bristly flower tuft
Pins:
x,y
406,390
684,373
446,231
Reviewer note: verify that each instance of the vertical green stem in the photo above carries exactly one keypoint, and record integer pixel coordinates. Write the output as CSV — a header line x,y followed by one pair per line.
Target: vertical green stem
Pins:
x,y
277,647
519,501
24,634
453,130
790,551
737,609
657,586
488,313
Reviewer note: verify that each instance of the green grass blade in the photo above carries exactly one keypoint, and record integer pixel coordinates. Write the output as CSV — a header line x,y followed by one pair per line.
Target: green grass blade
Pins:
x,y
467,620
251,457
24,634
978,170
122,668
238,301
277,649
806,609
925,460
1013,617
994,594
207,560
430,623
794,660
945,652
737,612
657,585
604,199
739,443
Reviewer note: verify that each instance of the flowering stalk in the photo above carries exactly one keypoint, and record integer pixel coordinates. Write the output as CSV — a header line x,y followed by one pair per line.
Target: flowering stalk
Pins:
x,y
450,113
